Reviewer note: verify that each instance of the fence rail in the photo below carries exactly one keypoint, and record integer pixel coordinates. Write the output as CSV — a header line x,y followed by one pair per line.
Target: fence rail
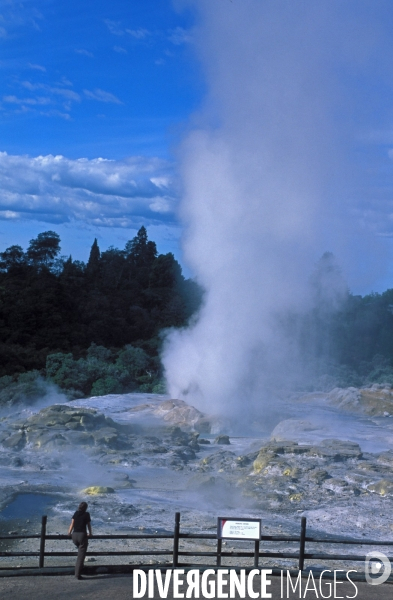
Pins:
x,y
175,552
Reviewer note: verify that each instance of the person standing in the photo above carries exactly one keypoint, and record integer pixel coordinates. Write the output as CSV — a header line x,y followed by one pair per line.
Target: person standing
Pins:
x,y
79,522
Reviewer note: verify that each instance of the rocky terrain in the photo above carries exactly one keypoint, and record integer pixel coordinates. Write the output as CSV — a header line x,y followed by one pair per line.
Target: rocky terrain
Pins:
x,y
376,401
139,458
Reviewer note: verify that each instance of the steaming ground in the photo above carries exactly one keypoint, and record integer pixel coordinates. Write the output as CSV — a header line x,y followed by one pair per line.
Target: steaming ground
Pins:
x,y
330,459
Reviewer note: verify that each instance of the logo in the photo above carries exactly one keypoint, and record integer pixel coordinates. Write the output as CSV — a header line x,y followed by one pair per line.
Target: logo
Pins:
x,y
377,568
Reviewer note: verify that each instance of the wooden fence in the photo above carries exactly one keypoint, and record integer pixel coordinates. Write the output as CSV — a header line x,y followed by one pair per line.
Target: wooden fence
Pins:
x,y
216,557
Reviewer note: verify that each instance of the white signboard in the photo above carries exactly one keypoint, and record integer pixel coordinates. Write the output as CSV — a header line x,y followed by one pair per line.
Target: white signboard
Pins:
x,y
239,529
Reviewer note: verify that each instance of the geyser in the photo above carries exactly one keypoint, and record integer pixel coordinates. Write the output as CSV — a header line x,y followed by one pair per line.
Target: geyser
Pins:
x,y
270,182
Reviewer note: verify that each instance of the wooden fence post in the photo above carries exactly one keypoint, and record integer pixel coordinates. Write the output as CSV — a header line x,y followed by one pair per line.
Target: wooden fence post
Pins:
x,y
42,541
176,534
302,543
219,546
256,554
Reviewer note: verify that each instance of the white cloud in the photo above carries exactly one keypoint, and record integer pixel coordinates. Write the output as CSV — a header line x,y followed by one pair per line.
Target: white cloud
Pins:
x,y
102,192
120,50
56,113
32,86
161,182
68,94
84,52
102,96
41,94
65,81
138,34
37,67
114,27
59,91
8,214
161,205
179,36
16,16
26,101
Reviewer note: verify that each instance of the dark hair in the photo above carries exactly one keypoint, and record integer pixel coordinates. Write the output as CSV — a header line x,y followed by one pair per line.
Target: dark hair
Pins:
x,y
82,506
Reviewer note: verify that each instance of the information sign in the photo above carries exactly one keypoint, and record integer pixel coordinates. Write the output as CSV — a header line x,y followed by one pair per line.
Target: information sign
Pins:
x,y
238,529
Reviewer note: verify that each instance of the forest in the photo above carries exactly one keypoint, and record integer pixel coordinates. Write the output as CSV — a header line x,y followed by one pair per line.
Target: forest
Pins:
x,y
97,328
90,329
343,339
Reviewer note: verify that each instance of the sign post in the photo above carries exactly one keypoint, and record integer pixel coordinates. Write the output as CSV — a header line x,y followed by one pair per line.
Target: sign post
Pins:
x,y
238,529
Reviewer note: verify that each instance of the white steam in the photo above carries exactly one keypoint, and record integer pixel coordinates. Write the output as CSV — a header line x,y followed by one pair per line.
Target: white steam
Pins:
x,y
268,180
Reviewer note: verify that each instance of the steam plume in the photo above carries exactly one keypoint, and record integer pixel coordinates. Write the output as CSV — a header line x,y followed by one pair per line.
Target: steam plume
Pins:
x,y
268,181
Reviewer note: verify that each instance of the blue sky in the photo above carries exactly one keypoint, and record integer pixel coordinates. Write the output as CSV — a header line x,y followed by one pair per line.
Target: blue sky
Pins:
x,y
94,97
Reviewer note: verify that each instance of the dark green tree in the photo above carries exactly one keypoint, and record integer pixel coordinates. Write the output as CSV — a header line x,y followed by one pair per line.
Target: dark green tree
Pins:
x,y
112,263
43,250
12,257
329,289
93,264
140,254
165,272
139,251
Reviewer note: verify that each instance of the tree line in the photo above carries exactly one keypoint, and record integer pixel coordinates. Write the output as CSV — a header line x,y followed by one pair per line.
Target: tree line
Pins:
x,y
96,328
344,339
91,328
